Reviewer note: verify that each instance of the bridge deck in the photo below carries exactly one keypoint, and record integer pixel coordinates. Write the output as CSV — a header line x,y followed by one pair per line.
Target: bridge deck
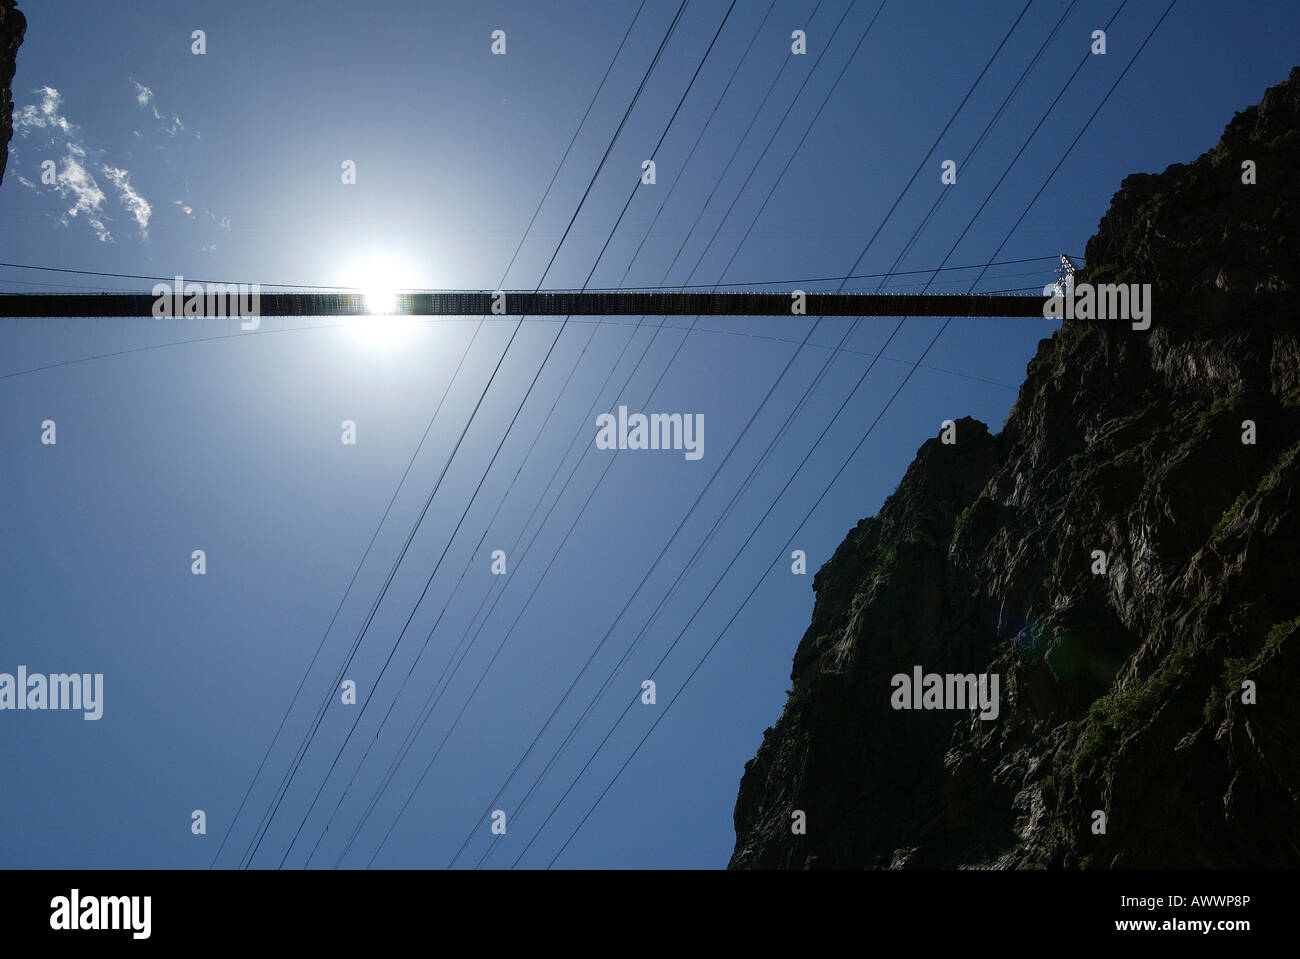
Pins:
x,y
547,303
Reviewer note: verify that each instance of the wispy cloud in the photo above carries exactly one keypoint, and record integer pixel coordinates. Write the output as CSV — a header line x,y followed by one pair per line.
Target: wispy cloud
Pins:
x,y
43,115
74,180
170,127
144,97
137,205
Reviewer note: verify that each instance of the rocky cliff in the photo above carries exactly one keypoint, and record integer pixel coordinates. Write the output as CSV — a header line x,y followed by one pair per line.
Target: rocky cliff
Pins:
x,y
12,27
1122,556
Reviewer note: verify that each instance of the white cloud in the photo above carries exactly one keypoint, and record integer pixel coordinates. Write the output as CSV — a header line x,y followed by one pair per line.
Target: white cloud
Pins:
x,y
134,202
142,93
144,97
170,127
45,115
75,181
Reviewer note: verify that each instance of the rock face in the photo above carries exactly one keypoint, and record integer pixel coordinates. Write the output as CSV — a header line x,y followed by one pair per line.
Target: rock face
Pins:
x,y
12,27
1121,691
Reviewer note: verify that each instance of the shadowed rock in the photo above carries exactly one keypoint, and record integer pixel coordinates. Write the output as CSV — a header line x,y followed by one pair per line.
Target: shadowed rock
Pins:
x,y
1121,691
12,27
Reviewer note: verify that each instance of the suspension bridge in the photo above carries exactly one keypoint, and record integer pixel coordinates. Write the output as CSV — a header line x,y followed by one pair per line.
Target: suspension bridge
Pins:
x,y
529,303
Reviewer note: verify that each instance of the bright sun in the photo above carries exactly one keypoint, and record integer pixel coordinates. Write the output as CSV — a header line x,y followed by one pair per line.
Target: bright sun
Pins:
x,y
380,280
381,300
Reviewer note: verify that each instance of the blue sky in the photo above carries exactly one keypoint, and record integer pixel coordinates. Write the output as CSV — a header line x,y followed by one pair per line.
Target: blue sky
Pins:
x,y
227,165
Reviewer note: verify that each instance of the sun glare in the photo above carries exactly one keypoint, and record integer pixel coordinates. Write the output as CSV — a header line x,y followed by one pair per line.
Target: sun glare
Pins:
x,y
380,281
381,300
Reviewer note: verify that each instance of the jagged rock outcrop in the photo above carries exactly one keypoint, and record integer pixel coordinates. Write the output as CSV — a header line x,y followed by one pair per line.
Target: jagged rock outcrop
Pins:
x,y
12,27
1120,691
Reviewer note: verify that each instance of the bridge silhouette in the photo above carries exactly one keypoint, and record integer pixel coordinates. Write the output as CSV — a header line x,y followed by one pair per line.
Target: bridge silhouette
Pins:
x,y
533,303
